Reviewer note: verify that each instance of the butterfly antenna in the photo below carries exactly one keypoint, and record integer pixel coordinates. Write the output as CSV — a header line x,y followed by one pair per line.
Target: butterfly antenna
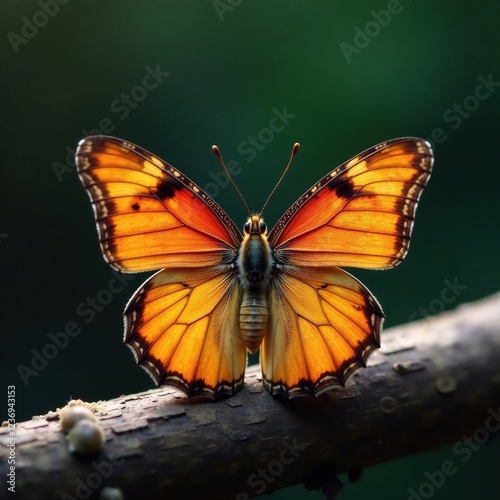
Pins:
x,y
216,151
295,149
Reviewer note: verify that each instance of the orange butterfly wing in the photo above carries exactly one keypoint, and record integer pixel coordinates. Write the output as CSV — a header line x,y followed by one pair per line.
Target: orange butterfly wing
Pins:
x,y
149,215
324,323
360,214
183,327
182,323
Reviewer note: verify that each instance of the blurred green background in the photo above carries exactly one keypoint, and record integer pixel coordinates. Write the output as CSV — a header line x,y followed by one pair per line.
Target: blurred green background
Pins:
x,y
348,74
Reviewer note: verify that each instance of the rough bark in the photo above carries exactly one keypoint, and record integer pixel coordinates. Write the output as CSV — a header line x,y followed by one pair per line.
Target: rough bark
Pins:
x,y
432,381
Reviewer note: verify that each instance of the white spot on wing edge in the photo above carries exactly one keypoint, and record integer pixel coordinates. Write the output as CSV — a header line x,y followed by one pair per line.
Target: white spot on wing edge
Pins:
x,y
127,146
380,146
349,164
85,146
156,161
423,147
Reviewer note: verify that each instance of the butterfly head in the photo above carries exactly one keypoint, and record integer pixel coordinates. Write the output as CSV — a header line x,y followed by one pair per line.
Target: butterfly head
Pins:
x,y
255,226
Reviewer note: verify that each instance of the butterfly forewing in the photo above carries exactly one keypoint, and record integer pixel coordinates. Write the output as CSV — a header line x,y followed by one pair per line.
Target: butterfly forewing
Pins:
x,y
149,215
360,214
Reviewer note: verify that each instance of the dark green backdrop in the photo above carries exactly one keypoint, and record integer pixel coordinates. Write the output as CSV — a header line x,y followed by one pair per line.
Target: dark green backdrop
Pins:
x,y
348,75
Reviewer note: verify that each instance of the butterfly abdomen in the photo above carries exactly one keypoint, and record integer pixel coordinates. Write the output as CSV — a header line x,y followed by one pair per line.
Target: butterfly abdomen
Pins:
x,y
254,273
253,321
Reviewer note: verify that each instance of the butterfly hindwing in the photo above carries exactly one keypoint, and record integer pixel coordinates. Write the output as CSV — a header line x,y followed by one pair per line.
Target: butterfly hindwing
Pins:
x,y
360,214
324,324
149,215
183,327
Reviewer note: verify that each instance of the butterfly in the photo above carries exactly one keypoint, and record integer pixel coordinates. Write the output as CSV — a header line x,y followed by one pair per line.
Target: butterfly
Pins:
x,y
220,293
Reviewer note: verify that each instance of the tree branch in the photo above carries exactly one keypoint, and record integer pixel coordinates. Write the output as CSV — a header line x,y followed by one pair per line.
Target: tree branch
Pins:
x,y
431,382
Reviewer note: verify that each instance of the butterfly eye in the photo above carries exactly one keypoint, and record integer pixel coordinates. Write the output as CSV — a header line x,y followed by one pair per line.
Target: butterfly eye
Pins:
x,y
262,227
246,227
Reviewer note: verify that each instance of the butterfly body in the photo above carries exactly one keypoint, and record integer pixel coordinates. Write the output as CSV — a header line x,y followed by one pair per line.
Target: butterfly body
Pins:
x,y
254,273
220,293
